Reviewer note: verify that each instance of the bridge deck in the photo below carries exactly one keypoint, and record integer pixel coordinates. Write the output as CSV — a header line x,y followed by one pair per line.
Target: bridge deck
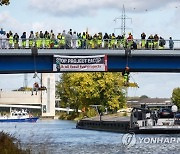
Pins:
x,y
74,52
22,60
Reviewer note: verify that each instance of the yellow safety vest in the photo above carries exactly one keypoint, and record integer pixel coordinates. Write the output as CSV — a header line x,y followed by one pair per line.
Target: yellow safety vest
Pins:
x,y
11,39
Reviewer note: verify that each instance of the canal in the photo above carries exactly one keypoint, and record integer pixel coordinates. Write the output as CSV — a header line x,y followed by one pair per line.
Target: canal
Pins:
x,y
56,137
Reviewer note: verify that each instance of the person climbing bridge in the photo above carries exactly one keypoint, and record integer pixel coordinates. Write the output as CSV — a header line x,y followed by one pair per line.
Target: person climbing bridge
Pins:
x,y
125,74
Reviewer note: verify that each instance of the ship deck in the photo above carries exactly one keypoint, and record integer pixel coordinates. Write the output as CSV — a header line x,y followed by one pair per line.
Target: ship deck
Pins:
x,y
109,118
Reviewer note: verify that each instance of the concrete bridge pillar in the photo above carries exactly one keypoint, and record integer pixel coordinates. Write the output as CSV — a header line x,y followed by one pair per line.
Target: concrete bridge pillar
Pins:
x,y
48,98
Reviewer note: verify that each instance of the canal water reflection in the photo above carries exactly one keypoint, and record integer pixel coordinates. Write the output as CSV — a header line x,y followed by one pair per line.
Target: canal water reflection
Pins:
x,y
56,137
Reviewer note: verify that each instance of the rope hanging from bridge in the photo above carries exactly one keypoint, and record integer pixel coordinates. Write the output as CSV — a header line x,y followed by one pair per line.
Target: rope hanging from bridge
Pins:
x,y
127,60
34,54
41,87
126,72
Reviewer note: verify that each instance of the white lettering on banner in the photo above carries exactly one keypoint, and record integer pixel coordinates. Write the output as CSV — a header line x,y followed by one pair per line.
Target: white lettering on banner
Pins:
x,y
62,60
80,63
94,60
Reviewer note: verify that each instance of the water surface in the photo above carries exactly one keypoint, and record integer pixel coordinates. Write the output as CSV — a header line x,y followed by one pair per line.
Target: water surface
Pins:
x,y
56,137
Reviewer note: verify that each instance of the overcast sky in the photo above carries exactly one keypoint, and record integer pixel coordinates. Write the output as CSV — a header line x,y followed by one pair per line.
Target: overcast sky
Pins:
x,y
149,16
151,84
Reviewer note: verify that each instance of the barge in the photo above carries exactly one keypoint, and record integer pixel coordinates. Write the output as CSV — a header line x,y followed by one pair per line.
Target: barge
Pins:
x,y
143,120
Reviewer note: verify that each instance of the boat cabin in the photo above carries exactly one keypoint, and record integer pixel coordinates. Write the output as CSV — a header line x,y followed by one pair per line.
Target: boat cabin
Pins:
x,y
149,117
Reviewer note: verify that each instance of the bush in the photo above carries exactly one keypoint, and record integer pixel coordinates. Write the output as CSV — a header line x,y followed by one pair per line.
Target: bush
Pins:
x,y
77,116
125,114
91,112
10,145
70,116
63,116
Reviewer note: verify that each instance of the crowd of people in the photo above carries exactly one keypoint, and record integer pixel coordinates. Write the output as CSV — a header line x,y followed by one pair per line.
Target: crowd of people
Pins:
x,y
72,39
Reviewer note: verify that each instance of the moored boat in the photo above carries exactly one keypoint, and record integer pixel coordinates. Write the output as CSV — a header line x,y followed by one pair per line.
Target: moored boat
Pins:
x,y
143,120
18,116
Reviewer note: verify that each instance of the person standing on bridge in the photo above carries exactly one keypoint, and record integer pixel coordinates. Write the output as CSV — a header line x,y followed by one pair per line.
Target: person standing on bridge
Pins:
x,y
16,41
171,43
1,31
156,41
143,40
162,43
130,41
4,40
150,42
106,40
74,40
23,40
31,39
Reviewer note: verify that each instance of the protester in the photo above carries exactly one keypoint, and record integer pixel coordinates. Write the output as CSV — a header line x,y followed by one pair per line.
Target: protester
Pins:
x,y
82,40
74,40
125,74
35,87
171,43
4,39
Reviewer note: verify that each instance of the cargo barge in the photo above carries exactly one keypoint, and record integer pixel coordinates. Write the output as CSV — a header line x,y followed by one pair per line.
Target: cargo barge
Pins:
x,y
142,121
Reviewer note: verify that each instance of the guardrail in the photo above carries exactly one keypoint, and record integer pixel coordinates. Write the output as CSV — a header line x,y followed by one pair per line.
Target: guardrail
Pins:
x,y
109,44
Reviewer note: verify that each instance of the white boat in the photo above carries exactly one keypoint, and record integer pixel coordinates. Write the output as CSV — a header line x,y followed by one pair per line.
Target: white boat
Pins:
x,y
18,116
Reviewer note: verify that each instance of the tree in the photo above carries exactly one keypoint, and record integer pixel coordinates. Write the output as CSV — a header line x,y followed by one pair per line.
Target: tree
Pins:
x,y
80,90
176,97
144,96
4,2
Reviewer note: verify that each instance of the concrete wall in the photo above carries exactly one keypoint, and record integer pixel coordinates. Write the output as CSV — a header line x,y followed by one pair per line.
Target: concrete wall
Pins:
x,y
19,97
48,99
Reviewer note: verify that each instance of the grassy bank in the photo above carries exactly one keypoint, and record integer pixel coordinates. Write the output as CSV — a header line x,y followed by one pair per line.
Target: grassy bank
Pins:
x,y
10,145
75,115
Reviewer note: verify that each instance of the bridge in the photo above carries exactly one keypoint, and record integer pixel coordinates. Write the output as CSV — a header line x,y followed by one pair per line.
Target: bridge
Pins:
x,y
26,61
22,61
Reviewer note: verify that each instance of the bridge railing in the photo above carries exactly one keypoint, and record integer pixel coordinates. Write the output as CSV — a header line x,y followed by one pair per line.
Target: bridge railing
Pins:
x,y
109,44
